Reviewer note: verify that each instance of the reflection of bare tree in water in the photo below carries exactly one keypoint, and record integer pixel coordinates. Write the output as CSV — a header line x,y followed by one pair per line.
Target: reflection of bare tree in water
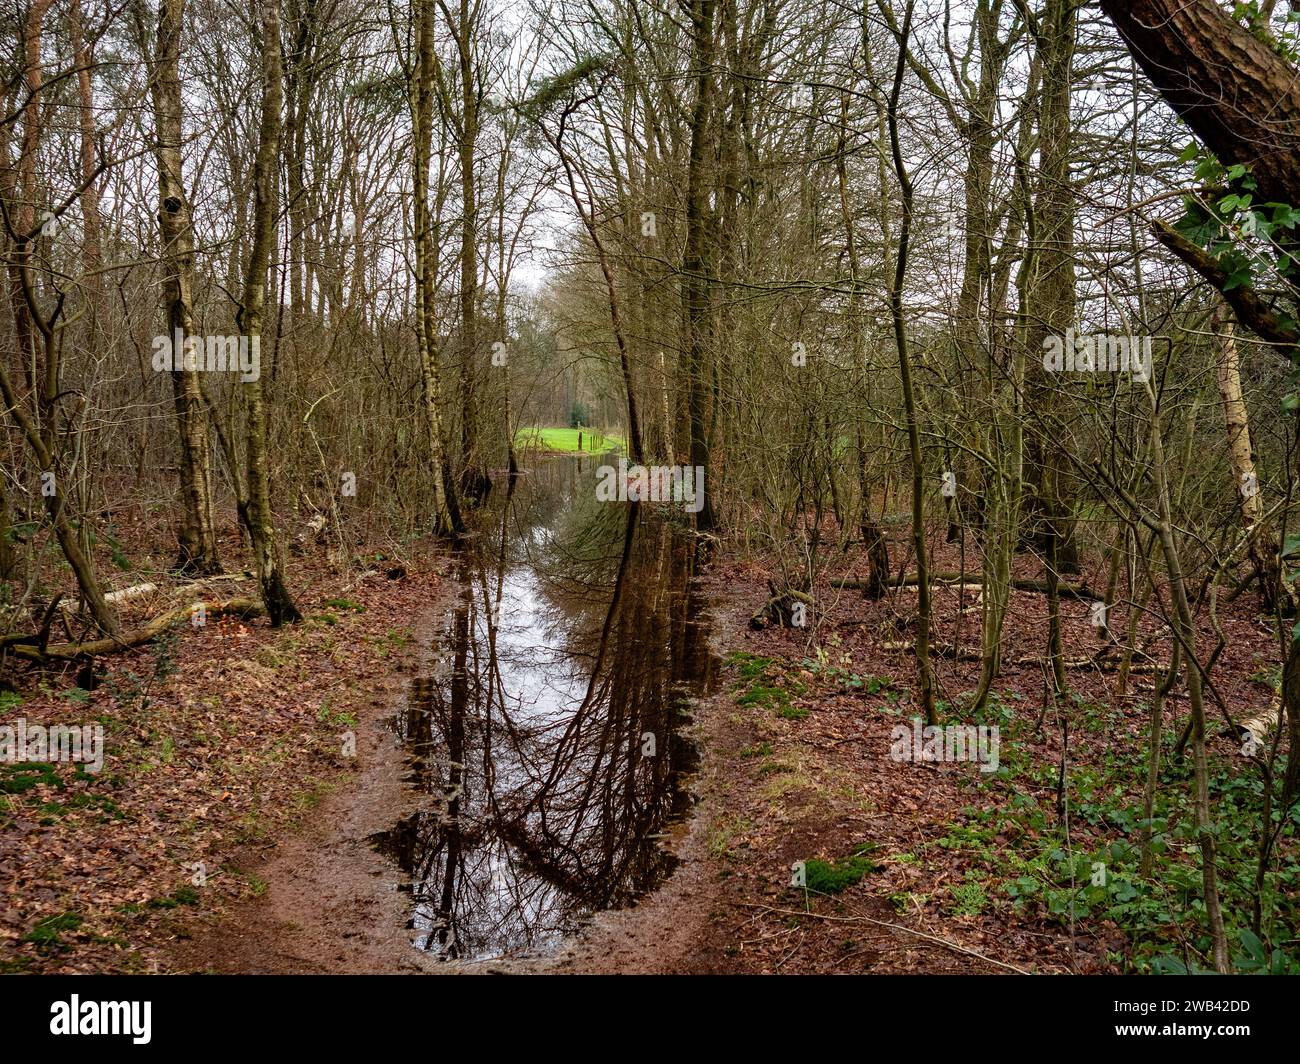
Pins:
x,y
550,738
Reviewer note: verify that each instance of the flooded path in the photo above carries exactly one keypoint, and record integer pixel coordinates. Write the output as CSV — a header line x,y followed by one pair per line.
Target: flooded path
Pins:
x,y
545,742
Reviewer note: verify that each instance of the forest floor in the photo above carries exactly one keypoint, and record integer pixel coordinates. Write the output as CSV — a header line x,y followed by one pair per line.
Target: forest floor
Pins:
x,y
225,748
937,867
219,741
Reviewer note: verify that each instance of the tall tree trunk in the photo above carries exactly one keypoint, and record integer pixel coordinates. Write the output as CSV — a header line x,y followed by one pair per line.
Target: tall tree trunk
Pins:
x,y
696,300
446,513
1262,547
1052,301
196,531
474,480
81,55
1185,626
259,515
39,339
299,79
874,545
924,667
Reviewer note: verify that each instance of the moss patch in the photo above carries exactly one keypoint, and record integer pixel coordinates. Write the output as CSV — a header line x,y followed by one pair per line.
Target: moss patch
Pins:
x,y
827,877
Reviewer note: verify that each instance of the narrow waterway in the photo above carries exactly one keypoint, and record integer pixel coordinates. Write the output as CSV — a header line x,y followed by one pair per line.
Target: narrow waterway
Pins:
x,y
546,739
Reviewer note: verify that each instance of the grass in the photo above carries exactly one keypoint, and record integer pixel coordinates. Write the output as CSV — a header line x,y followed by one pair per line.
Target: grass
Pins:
x,y
565,441
724,834
23,776
180,896
763,693
45,935
750,666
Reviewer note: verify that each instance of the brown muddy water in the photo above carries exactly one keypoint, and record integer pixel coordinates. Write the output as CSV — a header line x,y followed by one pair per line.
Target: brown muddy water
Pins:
x,y
546,739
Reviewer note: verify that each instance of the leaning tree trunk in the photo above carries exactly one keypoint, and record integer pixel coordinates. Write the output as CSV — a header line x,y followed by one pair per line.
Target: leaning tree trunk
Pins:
x,y
1243,100
81,563
1239,96
572,174
39,339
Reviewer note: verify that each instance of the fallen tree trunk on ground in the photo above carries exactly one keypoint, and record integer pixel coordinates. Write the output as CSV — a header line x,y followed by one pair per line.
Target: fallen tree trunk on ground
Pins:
x,y
114,598
1101,661
237,607
973,580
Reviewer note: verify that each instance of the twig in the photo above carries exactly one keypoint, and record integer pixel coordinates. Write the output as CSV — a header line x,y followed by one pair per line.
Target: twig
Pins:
x,y
896,927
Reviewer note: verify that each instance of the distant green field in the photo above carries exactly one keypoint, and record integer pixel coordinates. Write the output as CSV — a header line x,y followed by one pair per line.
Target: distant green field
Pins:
x,y
566,440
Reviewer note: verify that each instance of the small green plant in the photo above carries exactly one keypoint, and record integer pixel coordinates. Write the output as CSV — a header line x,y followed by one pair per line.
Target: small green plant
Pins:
x,y
334,717
77,695
904,900
180,896
969,898
45,935
118,553
826,877
750,666
724,834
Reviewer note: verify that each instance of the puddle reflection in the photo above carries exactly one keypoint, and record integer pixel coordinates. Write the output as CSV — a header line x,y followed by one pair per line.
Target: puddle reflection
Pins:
x,y
546,734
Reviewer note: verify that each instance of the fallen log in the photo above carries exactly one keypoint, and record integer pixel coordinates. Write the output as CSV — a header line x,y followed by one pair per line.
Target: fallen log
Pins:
x,y
973,580
1258,726
1252,733
237,607
1100,661
113,598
